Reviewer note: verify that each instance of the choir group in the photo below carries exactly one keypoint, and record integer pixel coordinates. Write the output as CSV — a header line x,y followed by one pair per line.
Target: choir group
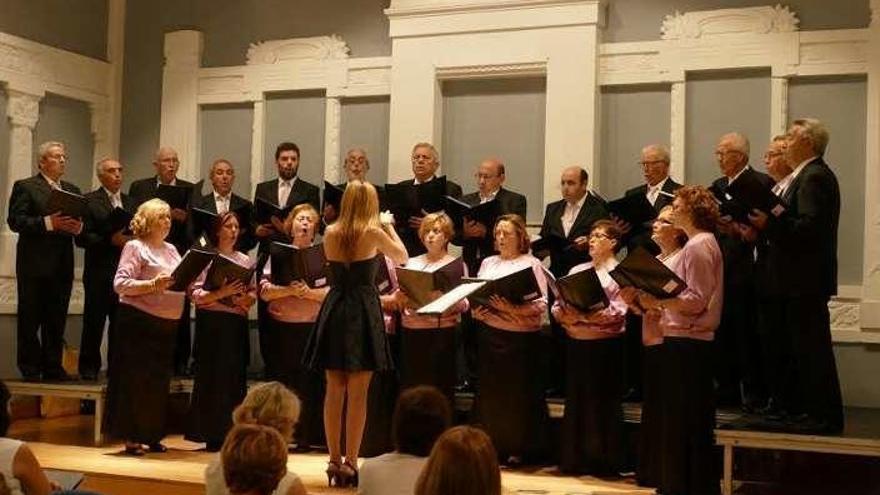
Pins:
x,y
683,297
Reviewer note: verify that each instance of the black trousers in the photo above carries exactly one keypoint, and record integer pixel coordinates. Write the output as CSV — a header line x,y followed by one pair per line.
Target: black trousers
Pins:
x,y
776,351
100,305
183,343
633,355
738,360
42,308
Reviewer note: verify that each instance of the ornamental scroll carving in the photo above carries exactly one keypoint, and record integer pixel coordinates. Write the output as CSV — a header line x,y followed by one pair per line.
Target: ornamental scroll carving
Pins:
x,y
844,314
316,48
23,109
753,20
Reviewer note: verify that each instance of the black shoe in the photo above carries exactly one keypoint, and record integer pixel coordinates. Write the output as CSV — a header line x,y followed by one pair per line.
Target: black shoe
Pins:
x,y
554,393
58,376
31,377
181,370
301,448
158,448
213,446
632,395
464,388
815,426
135,450
87,407
89,376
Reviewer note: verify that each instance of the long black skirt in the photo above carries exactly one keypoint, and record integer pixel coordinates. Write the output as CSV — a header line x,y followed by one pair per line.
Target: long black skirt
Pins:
x,y
650,455
221,380
510,404
289,341
592,428
140,375
427,357
689,462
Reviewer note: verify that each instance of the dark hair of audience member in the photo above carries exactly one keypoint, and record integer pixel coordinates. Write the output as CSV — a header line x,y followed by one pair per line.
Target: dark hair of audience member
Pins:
x,y
462,462
422,413
254,459
5,418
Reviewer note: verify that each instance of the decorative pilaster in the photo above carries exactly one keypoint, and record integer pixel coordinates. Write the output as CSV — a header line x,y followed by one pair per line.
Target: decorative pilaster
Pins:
x,y
180,104
778,105
677,101
101,135
258,138
23,110
332,131
870,309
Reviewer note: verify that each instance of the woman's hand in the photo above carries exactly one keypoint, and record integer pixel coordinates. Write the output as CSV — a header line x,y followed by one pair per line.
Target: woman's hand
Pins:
x,y
502,304
231,287
481,312
299,289
243,301
161,283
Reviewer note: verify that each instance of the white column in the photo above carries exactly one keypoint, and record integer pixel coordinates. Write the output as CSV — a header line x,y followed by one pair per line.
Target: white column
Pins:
x,y
102,136
180,107
332,139
258,139
870,308
23,110
677,130
115,55
778,105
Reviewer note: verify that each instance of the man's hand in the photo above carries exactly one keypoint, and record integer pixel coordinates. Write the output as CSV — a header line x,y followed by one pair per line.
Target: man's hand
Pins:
x,y
758,219
178,215
264,230
621,224
746,232
277,223
65,223
474,230
119,239
582,243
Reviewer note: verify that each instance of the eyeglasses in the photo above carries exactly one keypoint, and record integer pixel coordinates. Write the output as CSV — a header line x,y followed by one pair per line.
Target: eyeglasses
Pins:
x,y
773,154
727,152
648,163
480,176
599,235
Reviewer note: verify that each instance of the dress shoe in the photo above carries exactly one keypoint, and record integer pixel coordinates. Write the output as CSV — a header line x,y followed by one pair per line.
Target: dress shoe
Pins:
x,y
57,376
89,376
632,395
815,426
213,446
134,449
31,377
158,448
464,388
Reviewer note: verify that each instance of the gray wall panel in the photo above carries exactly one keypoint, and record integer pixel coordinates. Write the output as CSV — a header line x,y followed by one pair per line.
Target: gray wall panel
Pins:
x,y
841,103
79,26
632,117
226,133
297,117
365,125
721,102
504,118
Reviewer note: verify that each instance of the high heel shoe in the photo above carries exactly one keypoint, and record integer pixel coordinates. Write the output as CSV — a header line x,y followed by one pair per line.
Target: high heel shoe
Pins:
x,y
350,473
334,473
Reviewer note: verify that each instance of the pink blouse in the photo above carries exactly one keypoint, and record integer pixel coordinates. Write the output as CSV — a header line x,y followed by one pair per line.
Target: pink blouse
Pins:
x,y
289,309
198,291
651,332
494,267
388,316
603,323
140,262
409,319
700,265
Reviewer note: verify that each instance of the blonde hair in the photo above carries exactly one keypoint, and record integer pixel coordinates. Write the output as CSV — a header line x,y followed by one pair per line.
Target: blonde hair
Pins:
x,y
302,207
464,462
147,216
358,213
254,459
439,219
269,404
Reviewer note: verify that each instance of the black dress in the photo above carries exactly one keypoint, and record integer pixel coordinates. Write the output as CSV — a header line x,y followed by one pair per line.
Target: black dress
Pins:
x,y
349,334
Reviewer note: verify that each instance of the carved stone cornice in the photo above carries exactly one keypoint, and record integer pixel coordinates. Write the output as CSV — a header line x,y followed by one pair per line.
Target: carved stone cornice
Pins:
x,y
708,23
23,109
316,48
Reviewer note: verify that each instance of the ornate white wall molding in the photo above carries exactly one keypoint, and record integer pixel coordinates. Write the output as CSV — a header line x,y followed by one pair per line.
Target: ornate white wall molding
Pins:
x,y
332,144
9,297
316,48
709,23
870,308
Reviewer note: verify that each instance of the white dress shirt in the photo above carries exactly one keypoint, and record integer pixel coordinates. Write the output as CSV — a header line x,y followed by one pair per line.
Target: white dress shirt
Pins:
x,y
115,198
284,188
221,202
654,191
490,197
571,213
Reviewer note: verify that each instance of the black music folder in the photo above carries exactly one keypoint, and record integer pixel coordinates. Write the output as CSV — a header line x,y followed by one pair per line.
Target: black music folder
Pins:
x,y
730,207
408,200
68,203
190,267
485,213
383,276
519,287
290,263
418,284
176,196
753,194
120,219
581,290
264,211
635,209
203,220
223,269
551,243
640,269
333,195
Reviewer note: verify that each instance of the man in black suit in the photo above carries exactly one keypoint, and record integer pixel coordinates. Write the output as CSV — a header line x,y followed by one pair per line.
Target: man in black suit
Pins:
x,y
478,239
658,189
103,245
287,190
738,351
43,265
807,232
568,219
166,164
356,166
222,200
425,162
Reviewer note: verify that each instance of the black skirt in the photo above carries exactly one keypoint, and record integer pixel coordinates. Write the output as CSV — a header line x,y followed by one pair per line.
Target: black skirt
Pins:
x,y
510,404
289,344
221,380
592,428
650,456
427,357
689,462
140,375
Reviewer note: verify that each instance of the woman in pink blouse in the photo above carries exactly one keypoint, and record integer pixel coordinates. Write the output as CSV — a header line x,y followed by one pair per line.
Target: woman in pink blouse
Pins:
x,y
222,334
148,314
687,323
510,401
592,427
427,342
292,311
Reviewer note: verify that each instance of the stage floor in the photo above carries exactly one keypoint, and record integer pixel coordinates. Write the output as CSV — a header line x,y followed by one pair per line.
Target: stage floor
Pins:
x,y
66,443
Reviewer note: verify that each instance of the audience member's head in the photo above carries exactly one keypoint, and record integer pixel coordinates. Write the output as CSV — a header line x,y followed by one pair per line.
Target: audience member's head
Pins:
x,y
5,417
463,462
422,413
269,404
254,459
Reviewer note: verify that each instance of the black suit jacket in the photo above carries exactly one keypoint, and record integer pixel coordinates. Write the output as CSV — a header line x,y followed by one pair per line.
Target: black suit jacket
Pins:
x,y
474,251
410,237
807,232
246,238
739,256
593,209
39,252
302,192
640,235
101,256
144,190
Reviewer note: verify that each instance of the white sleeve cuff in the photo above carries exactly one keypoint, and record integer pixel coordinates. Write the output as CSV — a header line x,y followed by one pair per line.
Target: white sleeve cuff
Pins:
x,y
48,222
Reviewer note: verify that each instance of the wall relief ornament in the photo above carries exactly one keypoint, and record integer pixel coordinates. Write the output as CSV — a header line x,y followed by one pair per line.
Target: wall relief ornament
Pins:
x,y
844,314
23,109
316,48
707,23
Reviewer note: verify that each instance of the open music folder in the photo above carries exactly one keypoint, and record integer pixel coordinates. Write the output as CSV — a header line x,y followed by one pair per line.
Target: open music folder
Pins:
x,y
191,265
582,290
518,287
290,263
418,284
68,203
640,269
